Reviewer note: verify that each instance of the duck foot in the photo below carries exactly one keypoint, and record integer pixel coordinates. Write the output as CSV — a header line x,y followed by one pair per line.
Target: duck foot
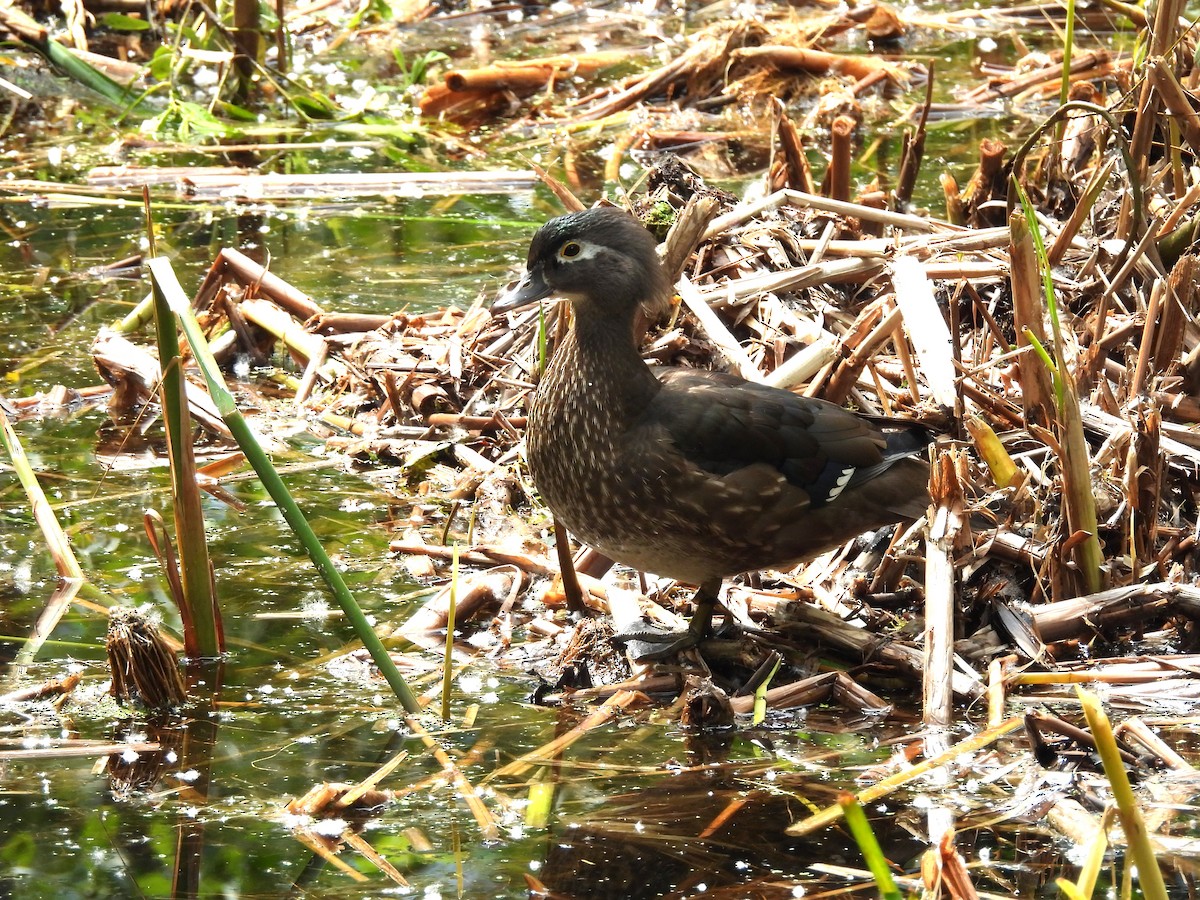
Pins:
x,y
648,641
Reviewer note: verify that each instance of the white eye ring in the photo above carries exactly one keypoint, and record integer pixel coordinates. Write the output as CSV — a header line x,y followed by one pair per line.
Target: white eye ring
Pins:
x,y
570,250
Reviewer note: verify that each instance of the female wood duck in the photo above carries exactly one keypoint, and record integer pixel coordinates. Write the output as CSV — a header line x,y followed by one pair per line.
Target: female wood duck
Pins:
x,y
689,474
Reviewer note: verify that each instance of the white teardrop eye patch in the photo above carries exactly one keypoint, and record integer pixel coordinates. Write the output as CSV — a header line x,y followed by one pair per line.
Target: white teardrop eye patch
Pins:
x,y
575,250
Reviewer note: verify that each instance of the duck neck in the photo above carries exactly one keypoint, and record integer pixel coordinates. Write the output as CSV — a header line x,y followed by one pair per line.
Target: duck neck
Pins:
x,y
599,359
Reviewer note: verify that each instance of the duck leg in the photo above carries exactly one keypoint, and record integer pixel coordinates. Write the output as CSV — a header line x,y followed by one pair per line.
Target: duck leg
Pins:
x,y
647,641
706,601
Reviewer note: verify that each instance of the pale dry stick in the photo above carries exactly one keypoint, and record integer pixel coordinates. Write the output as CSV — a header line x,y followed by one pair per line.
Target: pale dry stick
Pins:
x,y
870,247
548,752
822,246
483,556
903,354
1181,208
936,695
320,846
744,213
686,233
359,843
56,539
482,817
996,692
1137,730
865,213
810,201
312,372
803,200
794,279
1179,455
927,329
1146,346
805,363
1070,230
218,184
371,780
75,749
991,270
952,241
886,786
716,331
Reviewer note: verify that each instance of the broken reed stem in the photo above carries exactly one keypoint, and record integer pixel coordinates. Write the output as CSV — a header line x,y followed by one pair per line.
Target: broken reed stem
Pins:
x,y
203,635
167,284
487,824
937,693
841,154
57,542
886,786
1141,847
143,668
1075,459
548,752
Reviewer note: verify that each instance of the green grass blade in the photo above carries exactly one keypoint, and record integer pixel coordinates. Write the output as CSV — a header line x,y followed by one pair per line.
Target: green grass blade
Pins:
x,y
1141,848
868,845
202,633
164,276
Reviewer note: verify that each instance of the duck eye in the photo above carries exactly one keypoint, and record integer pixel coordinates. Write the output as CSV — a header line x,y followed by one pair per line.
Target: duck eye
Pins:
x,y
570,250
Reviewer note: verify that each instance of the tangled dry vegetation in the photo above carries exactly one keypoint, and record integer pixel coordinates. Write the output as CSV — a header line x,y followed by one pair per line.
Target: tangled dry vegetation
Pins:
x,y
1061,545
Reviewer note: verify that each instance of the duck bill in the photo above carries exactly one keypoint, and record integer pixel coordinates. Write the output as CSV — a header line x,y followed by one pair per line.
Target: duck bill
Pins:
x,y
530,289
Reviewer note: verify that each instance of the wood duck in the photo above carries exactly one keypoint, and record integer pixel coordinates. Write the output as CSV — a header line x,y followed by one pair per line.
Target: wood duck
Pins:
x,y
690,474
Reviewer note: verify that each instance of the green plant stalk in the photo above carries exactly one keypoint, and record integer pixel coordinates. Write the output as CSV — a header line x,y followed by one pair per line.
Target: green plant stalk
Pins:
x,y
76,69
760,695
1141,847
1089,872
868,845
1064,89
541,802
1044,356
136,317
163,275
448,660
56,539
202,633
1118,135
1076,461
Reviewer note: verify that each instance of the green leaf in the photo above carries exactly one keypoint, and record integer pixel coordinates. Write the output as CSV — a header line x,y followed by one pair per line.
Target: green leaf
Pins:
x,y
314,105
235,112
161,63
122,22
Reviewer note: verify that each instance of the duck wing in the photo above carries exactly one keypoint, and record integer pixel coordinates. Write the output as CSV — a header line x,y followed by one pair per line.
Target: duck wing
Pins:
x,y
723,424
